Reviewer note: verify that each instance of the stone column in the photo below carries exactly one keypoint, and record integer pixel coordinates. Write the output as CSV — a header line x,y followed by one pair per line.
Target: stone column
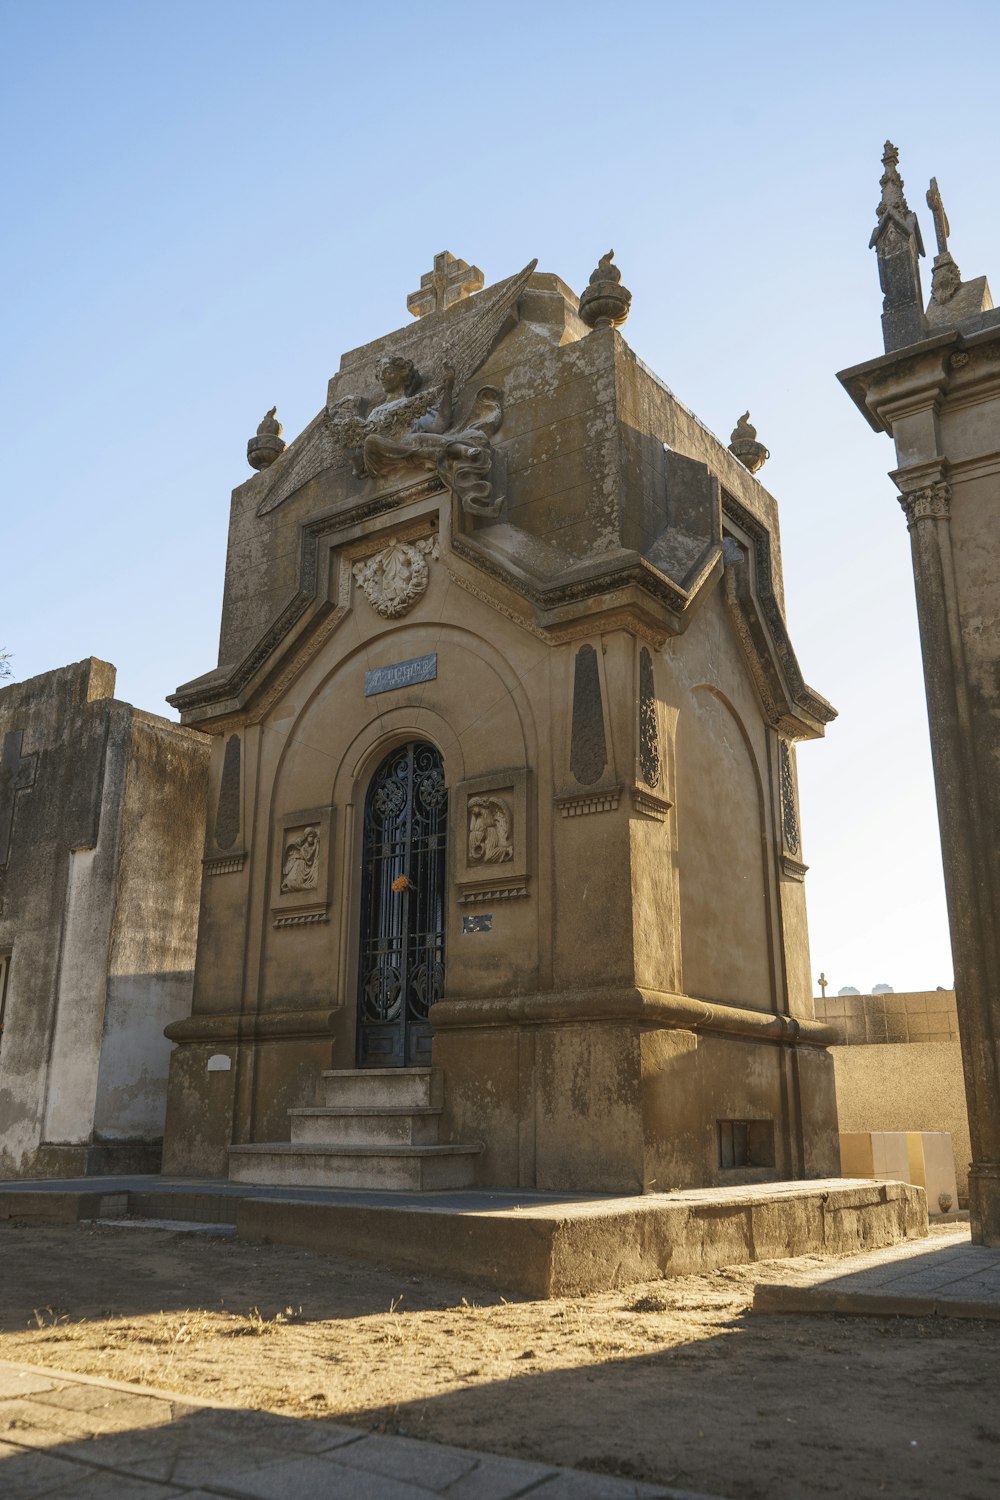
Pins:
x,y
936,392
972,906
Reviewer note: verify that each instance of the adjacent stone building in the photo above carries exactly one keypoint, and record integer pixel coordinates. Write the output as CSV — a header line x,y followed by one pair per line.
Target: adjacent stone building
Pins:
x,y
101,829
936,392
898,1066
503,781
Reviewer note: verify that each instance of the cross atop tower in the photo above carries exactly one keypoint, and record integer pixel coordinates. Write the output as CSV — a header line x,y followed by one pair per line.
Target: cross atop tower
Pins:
x,y
449,282
17,774
941,226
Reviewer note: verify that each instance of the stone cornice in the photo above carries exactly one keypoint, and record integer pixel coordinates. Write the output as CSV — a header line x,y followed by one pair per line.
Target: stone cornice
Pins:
x,y
911,379
789,704
620,590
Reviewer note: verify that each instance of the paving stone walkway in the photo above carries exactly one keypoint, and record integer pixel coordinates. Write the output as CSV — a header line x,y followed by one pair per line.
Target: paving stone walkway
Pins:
x,y
82,1438
944,1276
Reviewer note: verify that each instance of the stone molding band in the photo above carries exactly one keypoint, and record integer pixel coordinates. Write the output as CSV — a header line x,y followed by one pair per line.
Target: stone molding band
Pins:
x,y
297,1025
646,1007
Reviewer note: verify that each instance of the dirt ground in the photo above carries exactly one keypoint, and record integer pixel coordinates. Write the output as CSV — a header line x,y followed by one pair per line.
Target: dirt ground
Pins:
x,y
674,1381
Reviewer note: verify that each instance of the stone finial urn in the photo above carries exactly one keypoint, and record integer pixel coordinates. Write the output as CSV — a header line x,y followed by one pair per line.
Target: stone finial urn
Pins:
x,y
743,445
268,445
605,302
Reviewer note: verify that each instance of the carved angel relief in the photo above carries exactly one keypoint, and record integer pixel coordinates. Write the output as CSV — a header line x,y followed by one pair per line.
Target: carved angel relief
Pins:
x,y
300,862
394,579
491,831
414,426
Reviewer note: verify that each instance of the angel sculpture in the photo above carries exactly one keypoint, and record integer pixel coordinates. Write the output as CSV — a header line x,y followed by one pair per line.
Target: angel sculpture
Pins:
x,y
408,430
412,426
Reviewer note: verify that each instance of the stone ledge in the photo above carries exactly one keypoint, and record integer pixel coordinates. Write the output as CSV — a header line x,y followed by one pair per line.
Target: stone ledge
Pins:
x,y
540,1245
575,1248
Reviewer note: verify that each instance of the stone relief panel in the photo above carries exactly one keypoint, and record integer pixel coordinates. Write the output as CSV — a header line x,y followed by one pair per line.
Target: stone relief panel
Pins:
x,y
395,578
492,860
415,425
300,861
491,831
300,890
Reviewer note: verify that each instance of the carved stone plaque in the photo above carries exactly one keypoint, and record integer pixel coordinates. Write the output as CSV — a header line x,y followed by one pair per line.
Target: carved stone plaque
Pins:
x,y
401,674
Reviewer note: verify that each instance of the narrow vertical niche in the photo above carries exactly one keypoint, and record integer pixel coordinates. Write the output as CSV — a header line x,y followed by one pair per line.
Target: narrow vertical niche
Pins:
x,y
649,740
588,748
227,813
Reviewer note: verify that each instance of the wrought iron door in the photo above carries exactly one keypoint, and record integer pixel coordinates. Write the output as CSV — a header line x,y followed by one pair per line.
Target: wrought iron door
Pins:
x,y
402,907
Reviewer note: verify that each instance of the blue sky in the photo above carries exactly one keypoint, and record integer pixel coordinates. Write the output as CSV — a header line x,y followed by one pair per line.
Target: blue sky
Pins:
x,y
208,203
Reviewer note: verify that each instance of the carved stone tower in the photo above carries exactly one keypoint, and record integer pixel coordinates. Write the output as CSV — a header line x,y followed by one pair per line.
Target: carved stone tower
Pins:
x,y
936,392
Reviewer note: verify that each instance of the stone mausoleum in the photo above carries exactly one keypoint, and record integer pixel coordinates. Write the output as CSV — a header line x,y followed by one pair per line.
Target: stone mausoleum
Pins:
x,y
504,871
102,817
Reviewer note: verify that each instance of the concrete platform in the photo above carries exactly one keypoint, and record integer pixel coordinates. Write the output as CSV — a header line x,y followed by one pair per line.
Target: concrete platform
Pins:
x,y
541,1245
82,1437
945,1276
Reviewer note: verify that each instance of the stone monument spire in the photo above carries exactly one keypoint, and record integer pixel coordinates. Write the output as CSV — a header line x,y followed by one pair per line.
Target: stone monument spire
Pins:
x,y
898,245
922,393
946,278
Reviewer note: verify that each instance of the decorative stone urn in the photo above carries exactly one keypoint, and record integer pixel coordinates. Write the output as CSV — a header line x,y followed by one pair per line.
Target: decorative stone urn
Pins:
x,y
268,445
605,302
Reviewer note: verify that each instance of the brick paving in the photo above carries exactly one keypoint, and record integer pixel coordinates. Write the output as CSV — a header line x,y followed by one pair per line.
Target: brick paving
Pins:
x,y
938,1277
82,1438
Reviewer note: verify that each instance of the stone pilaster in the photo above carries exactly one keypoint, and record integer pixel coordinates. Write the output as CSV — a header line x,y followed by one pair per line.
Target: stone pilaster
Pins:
x,y
926,499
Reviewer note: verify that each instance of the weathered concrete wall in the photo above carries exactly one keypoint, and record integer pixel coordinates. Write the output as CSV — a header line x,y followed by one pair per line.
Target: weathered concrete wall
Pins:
x,y
83,1060
150,963
900,1067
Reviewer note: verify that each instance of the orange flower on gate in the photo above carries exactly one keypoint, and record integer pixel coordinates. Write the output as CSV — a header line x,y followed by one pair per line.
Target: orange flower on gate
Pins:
x,y
402,883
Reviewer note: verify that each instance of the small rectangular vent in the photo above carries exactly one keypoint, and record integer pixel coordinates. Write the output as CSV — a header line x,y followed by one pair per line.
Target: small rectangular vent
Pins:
x,y
746,1143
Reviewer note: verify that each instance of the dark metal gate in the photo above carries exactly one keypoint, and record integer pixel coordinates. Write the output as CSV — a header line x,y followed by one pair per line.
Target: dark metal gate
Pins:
x,y
402,907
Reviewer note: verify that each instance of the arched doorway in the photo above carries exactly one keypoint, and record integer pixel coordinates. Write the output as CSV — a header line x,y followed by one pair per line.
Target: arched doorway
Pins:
x,y
404,864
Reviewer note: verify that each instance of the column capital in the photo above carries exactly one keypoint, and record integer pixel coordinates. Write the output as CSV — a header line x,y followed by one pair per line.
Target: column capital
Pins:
x,y
930,503
924,493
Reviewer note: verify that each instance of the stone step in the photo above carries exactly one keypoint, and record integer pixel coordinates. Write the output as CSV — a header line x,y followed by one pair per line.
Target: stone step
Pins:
x,y
353,1126
382,1088
367,1168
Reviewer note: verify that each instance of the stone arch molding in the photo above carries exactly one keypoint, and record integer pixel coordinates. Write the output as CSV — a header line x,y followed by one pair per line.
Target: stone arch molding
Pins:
x,y
447,711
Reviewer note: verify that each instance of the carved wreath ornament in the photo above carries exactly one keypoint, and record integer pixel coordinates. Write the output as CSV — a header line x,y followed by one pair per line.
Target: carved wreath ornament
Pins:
x,y
394,579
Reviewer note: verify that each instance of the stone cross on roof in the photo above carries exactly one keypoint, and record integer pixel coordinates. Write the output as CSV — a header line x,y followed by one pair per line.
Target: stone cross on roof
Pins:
x,y
449,282
17,774
941,226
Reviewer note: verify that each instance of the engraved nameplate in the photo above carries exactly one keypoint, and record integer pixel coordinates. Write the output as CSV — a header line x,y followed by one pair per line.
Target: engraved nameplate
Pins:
x,y
483,923
401,674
